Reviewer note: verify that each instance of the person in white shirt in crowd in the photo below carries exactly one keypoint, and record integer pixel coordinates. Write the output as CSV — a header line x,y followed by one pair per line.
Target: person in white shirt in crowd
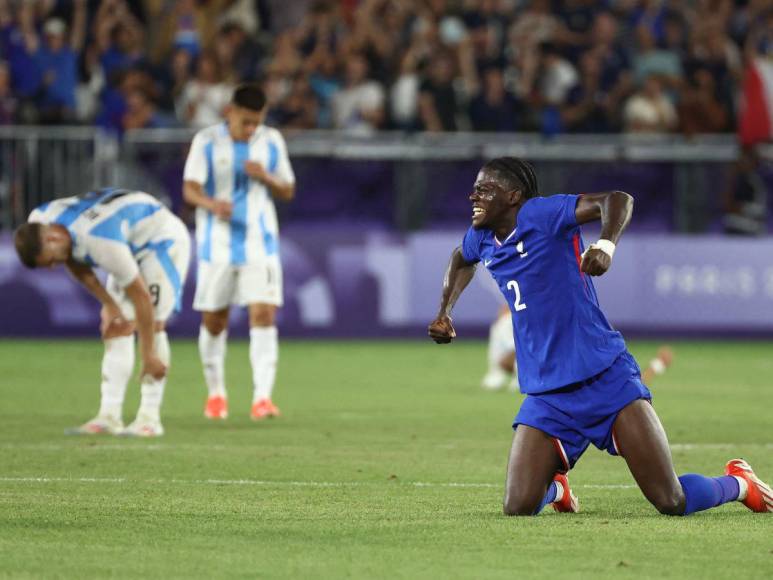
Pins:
x,y
359,106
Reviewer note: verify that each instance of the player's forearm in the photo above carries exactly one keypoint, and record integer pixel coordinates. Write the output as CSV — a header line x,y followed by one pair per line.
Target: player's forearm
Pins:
x,y
458,276
194,194
279,189
613,208
616,212
143,313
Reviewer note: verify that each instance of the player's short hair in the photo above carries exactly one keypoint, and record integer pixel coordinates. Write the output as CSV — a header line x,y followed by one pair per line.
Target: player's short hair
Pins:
x,y
519,173
250,96
26,238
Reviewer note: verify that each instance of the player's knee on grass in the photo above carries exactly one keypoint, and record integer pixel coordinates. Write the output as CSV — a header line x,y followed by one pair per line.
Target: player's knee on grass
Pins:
x,y
521,504
670,502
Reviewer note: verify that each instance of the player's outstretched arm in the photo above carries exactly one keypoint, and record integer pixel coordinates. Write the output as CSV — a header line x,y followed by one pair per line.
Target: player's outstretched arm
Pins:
x,y
614,209
458,276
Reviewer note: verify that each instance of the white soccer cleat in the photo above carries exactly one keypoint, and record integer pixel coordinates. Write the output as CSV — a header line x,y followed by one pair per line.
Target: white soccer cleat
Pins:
x,y
495,379
144,427
99,425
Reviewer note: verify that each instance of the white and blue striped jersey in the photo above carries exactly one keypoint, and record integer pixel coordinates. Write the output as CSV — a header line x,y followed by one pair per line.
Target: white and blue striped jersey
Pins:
x,y
114,229
216,162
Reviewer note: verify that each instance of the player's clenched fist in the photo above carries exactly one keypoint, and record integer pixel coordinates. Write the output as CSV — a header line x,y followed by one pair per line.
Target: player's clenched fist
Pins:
x,y
595,261
441,330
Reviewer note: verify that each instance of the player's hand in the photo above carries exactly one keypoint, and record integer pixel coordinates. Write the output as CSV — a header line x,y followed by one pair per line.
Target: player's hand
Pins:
x,y
113,323
222,209
153,367
441,330
595,262
255,170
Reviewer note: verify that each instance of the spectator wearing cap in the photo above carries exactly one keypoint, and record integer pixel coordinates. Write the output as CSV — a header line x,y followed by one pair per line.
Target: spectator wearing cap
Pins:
x,y
57,58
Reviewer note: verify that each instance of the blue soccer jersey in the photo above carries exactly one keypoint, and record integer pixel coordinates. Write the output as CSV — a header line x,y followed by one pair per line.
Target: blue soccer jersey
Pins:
x,y
561,335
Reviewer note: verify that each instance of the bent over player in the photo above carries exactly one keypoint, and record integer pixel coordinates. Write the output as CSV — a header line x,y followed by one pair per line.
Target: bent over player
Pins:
x,y
233,173
581,383
145,249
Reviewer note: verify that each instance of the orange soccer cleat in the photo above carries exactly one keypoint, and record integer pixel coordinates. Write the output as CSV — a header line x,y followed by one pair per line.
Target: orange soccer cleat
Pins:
x,y
568,502
759,496
263,409
217,408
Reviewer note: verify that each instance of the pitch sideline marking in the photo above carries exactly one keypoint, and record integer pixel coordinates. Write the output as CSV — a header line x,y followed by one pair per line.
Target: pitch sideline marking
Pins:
x,y
98,446
267,483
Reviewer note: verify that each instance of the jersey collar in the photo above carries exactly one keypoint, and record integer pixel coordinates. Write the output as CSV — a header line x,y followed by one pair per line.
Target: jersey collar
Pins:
x,y
498,243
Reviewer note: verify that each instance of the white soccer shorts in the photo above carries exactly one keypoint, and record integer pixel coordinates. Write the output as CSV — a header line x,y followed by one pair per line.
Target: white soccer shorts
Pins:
x,y
164,270
221,285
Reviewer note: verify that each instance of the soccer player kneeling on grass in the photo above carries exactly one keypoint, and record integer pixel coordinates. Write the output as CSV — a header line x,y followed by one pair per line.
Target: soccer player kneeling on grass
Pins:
x,y
145,249
234,172
581,383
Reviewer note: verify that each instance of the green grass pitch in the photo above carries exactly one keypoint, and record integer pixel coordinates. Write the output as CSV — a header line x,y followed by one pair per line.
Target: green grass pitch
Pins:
x,y
388,462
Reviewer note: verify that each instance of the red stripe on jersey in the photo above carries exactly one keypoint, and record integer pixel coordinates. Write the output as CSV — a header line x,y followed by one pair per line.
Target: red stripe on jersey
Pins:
x,y
578,257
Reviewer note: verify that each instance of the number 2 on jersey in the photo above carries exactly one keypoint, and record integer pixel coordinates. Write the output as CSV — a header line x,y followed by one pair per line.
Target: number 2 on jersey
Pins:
x,y
513,285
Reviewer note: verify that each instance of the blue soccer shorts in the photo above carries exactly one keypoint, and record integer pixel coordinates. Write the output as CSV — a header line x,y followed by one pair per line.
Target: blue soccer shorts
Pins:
x,y
585,412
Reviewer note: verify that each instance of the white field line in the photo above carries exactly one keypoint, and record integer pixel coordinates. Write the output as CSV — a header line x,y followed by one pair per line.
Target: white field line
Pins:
x,y
98,444
266,483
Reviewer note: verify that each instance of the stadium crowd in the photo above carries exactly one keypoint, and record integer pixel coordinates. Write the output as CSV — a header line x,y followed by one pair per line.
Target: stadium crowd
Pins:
x,y
433,65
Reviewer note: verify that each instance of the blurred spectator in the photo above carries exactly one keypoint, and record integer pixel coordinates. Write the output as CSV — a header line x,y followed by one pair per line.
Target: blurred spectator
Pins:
x,y
8,103
495,109
237,52
359,106
437,97
588,107
57,58
404,95
298,110
649,110
142,113
649,60
699,109
204,97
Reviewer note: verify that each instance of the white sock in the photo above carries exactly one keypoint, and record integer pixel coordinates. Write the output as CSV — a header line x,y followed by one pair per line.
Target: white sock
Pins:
x,y
212,349
743,488
152,390
559,491
117,368
264,353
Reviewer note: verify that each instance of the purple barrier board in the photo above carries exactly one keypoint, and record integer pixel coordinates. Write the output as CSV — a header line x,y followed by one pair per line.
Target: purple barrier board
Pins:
x,y
351,282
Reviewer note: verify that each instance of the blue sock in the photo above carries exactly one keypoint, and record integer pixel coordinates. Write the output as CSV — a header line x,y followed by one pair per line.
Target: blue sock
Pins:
x,y
702,493
550,497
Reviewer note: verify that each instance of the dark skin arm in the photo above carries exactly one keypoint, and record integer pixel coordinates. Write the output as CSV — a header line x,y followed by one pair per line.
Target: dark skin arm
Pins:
x,y
614,209
458,276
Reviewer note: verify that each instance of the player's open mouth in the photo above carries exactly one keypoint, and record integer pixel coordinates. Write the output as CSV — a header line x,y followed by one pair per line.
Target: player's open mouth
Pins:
x,y
478,212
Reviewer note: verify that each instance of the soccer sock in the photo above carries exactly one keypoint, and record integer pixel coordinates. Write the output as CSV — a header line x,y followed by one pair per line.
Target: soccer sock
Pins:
x,y
702,493
555,493
152,390
264,352
117,367
212,349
